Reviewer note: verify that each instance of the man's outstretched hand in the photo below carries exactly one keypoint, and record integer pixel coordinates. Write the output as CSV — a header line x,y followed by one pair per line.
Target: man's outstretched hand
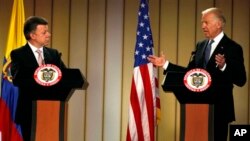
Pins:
x,y
157,61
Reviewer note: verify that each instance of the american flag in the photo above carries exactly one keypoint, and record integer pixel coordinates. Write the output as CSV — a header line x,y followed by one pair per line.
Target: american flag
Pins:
x,y
144,96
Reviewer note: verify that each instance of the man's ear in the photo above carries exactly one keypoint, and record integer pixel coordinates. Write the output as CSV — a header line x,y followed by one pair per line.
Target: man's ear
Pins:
x,y
219,24
32,35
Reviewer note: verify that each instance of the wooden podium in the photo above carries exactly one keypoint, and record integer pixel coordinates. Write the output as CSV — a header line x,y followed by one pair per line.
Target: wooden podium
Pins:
x,y
49,110
196,108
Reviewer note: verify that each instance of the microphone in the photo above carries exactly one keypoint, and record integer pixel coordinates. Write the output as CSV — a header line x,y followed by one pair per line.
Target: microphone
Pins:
x,y
60,55
61,64
191,58
192,55
60,58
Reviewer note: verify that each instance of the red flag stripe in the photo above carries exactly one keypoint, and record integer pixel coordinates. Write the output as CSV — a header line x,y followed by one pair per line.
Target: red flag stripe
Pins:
x,y
142,104
136,112
148,97
7,127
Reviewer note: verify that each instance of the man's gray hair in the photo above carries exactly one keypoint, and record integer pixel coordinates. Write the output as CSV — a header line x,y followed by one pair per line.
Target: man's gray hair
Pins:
x,y
217,12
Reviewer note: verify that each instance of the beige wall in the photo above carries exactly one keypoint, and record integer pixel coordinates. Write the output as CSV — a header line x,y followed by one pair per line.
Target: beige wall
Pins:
x,y
98,37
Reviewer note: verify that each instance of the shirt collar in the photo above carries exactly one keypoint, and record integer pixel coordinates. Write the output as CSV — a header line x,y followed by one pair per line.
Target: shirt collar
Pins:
x,y
218,37
33,48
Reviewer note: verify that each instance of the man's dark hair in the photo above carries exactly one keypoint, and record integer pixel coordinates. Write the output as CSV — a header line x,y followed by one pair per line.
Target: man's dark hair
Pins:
x,y
31,24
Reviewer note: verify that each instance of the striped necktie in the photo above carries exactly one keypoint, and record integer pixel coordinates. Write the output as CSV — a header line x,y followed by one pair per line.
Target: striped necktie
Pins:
x,y
207,52
40,58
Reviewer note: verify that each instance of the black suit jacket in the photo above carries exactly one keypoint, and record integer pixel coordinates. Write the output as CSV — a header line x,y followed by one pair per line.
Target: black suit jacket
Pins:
x,y
223,80
23,67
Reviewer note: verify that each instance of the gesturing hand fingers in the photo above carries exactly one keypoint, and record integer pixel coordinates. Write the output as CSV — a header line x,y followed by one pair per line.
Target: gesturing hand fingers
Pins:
x,y
158,61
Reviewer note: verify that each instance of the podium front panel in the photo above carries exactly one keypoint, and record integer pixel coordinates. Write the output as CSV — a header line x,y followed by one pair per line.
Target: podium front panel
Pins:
x,y
197,122
48,121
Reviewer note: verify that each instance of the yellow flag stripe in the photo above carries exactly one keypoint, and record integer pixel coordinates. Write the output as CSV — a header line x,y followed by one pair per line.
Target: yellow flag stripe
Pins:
x,y
15,36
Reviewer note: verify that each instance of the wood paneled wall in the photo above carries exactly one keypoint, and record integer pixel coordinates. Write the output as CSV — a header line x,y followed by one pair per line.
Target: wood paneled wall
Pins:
x,y
98,37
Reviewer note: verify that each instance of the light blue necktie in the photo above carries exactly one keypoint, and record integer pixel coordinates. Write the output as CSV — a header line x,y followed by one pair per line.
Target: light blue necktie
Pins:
x,y
207,52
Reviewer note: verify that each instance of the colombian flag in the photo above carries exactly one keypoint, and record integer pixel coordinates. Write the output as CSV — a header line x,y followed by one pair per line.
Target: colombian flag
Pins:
x,y
9,131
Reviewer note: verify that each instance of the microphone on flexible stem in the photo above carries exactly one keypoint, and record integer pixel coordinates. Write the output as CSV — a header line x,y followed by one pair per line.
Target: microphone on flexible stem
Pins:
x,y
191,58
192,55
61,64
60,58
60,55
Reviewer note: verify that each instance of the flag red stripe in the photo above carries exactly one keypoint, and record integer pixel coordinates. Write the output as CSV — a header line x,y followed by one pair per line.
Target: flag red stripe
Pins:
x,y
7,126
137,111
149,98
128,134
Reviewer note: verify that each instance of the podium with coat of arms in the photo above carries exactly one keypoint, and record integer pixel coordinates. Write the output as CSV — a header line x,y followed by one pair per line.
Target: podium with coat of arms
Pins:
x,y
194,90
52,91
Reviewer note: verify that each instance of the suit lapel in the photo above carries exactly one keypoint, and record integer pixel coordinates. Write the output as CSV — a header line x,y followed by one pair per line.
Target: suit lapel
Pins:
x,y
218,50
30,57
47,56
220,47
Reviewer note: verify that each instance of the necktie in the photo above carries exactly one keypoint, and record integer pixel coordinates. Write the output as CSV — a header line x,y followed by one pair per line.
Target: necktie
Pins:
x,y
40,59
207,52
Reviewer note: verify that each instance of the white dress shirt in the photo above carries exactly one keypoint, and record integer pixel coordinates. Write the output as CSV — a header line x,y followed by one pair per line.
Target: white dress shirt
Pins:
x,y
34,49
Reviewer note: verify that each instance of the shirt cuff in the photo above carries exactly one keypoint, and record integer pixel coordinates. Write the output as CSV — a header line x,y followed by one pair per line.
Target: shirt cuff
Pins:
x,y
224,67
165,66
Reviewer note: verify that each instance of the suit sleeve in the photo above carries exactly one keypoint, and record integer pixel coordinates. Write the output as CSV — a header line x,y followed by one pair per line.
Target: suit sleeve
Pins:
x,y
15,67
235,69
22,71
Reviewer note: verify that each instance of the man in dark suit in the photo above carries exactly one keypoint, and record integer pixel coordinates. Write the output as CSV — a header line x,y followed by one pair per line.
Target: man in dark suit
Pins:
x,y
25,60
225,64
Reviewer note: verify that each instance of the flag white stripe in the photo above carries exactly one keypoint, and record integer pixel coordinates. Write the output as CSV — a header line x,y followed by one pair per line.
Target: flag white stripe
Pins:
x,y
132,125
143,105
